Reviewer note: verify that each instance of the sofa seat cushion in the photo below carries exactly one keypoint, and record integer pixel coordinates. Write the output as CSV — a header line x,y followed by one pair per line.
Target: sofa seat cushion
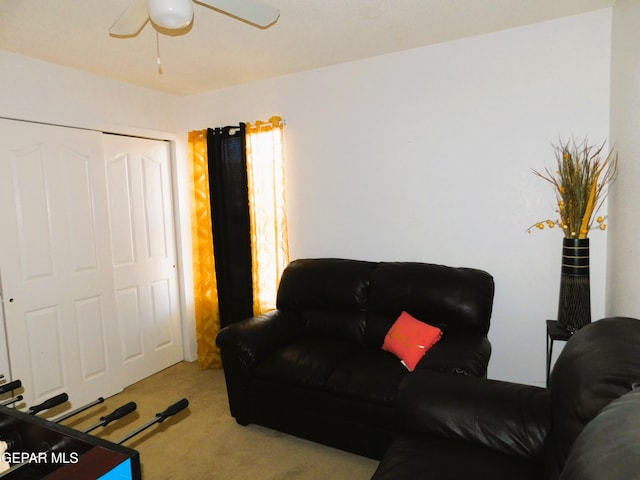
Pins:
x,y
369,374
462,355
418,457
338,366
307,361
350,369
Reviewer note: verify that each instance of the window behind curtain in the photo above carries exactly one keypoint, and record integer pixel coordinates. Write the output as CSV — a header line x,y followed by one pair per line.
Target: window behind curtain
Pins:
x,y
267,204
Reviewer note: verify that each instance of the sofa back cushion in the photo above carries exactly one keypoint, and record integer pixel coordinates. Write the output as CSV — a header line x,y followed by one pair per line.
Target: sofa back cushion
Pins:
x,y
453,299
599,363
328,284
329,296
360,300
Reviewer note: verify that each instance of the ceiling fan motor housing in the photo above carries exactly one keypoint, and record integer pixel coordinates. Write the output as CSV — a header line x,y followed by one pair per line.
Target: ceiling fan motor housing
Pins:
x,y
171,14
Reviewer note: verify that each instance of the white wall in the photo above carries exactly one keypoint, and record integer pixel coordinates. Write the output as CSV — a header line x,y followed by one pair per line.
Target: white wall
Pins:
x,y
624,247
427,154
42,92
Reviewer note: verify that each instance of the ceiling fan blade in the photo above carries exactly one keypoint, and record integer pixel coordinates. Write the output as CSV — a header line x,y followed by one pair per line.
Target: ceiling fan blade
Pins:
x,y
132,20
250,11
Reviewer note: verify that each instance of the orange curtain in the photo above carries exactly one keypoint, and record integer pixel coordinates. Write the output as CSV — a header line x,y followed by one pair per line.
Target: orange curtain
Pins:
x,y
269,234
204,271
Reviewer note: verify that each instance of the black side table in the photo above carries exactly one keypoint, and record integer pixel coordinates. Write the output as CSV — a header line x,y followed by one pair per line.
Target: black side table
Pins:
x,y
554,333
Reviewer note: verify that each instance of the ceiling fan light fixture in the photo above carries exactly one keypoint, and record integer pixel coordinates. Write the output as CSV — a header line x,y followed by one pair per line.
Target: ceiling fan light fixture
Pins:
x,y
171,14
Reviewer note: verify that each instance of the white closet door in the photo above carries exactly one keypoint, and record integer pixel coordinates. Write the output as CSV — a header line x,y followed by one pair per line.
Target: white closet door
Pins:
x,y
55,262
144,254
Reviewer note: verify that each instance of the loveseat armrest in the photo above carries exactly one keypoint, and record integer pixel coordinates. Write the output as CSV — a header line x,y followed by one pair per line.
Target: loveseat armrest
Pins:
x,y
253,338
508,417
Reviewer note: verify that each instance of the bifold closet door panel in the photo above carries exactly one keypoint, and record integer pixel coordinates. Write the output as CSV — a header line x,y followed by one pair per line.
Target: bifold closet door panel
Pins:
x,y
55,263
144,254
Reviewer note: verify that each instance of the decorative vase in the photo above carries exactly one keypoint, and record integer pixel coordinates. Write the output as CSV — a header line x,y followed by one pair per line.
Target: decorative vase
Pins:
x,y
574,305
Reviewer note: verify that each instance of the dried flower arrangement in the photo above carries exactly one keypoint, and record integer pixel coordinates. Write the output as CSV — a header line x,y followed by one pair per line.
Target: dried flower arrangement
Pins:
x,y
581,183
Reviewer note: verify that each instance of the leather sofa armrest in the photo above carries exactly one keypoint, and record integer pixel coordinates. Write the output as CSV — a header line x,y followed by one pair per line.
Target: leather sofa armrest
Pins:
x,y
508,417
609,445
251,339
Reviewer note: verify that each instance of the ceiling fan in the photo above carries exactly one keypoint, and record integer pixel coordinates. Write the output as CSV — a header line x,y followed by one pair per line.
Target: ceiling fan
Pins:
x,y
178,14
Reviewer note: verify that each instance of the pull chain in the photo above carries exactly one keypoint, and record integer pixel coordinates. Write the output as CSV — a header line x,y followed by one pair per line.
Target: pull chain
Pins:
x,y
158,53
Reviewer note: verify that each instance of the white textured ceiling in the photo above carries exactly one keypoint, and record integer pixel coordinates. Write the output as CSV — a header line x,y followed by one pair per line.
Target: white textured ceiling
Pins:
x,y
219,51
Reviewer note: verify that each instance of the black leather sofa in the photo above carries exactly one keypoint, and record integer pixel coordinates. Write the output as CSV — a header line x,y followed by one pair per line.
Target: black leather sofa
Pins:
x,y
585,426
314,367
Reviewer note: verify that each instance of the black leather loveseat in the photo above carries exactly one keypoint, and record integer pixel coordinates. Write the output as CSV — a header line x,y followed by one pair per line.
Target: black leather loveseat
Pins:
x,y
585,426
314,367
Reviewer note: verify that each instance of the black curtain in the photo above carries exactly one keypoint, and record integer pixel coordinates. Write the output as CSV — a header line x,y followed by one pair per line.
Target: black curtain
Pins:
x,y
227,162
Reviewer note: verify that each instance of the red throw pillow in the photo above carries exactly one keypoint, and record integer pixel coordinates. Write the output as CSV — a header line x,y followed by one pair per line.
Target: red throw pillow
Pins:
x,y
409,339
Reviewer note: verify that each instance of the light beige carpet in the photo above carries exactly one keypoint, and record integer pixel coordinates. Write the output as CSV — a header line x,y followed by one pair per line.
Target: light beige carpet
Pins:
x,y
204,442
